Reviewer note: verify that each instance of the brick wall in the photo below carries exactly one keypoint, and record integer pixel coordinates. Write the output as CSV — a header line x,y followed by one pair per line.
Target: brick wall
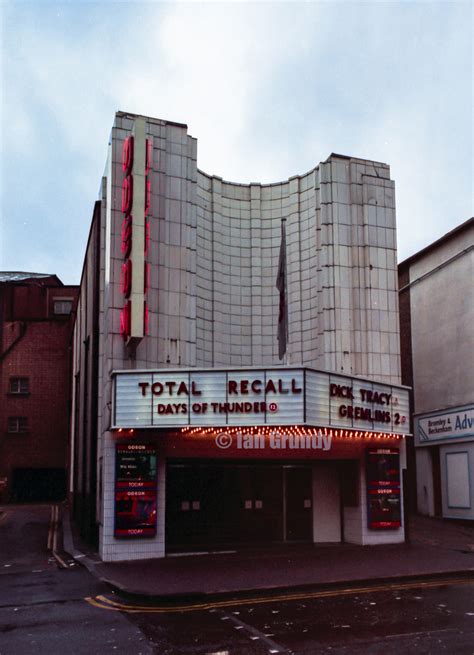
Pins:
x,y
37,348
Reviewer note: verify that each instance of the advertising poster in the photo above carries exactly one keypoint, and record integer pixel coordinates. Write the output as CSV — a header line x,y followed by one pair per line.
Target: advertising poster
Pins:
x,y
383,488
135,490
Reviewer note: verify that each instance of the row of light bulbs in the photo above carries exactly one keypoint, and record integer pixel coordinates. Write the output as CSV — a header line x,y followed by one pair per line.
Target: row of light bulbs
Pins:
x,y
291,430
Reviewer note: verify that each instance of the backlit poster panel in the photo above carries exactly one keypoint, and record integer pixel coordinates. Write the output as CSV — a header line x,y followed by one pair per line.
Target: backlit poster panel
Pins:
x,y
383,488
135,490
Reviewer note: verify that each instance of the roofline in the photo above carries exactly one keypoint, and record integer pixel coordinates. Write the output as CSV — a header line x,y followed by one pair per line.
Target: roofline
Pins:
x,y
298,176
157,121
432,246
362,160
30,276
95,216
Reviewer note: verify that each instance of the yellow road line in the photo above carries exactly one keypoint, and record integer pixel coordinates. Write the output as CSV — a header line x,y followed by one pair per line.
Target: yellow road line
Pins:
x,y
106,603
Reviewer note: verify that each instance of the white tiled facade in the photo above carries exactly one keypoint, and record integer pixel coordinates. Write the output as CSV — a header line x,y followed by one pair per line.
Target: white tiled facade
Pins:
x,y
213,301
341,258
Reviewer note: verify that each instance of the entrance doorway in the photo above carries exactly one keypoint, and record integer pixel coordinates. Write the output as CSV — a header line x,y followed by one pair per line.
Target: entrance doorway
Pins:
x,y
299,504
38,485
227,504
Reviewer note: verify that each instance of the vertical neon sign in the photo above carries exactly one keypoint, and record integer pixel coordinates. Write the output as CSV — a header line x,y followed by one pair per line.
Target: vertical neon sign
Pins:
x,y
137,155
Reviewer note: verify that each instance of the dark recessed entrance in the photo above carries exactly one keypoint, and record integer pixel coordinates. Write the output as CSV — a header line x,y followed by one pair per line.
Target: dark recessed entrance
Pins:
x,y
229,504
38,485
298,498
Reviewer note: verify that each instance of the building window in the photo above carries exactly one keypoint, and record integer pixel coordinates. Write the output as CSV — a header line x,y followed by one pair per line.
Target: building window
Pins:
x,y
19,386
62,307
17,424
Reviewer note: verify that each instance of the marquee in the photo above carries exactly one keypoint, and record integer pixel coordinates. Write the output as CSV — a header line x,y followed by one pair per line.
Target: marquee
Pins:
x,y
274,396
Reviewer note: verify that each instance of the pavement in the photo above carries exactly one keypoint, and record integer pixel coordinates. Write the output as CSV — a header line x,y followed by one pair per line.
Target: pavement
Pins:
x,y
437,548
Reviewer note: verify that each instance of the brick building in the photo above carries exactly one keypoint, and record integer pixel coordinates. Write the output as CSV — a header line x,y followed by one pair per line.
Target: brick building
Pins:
x,y
35,328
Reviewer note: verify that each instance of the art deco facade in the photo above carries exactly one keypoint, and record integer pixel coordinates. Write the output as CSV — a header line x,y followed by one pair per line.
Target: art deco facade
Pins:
x,y
197,280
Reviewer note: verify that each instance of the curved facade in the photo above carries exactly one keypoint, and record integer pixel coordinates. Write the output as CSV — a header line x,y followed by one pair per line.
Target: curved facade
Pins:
x,y
341,267
214,257
179,278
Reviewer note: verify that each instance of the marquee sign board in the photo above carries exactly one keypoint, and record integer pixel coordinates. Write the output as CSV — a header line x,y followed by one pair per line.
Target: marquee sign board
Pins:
x,y
279,396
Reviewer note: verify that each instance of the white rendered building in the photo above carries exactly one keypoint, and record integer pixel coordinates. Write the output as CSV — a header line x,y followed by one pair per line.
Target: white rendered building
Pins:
x,y
437,314
176,345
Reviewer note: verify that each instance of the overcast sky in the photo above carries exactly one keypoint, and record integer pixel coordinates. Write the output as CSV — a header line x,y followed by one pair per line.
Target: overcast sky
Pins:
x,y
268,89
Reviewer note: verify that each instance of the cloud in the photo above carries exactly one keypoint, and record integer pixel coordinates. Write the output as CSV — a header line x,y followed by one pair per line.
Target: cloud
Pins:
x,y
269,90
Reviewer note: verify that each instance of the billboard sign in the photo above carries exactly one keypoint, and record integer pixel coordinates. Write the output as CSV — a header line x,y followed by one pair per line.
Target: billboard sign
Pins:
x,y
383,488
135,490
452,425
287,396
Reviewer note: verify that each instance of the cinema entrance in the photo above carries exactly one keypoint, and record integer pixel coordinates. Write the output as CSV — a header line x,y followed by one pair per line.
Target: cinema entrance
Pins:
x,y
225,504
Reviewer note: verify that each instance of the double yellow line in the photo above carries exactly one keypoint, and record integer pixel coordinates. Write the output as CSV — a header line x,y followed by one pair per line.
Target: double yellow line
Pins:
x,y
103,602
53,532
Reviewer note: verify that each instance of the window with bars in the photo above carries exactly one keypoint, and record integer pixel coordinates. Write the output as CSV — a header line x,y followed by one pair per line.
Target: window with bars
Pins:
x,y
19,386
17,424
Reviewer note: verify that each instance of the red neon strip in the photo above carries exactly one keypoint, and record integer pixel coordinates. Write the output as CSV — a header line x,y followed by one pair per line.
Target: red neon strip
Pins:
x,y
126,278
127,194
147,236
147,196
146,277
145,318
126,246
149,155
127,155
126,320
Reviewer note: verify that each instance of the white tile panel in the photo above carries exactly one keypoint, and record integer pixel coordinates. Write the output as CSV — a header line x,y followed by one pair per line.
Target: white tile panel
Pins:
x,y
131,408
290,406
317,406
213,390
361,401
169,400
244,382
457,480
401,406
339,404
381,409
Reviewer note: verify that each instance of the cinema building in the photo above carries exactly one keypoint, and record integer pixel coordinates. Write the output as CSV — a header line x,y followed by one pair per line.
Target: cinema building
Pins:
x,y
188,431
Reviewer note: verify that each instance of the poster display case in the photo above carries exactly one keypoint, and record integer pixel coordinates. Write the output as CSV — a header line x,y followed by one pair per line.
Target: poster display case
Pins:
x,y
135,490
383,488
